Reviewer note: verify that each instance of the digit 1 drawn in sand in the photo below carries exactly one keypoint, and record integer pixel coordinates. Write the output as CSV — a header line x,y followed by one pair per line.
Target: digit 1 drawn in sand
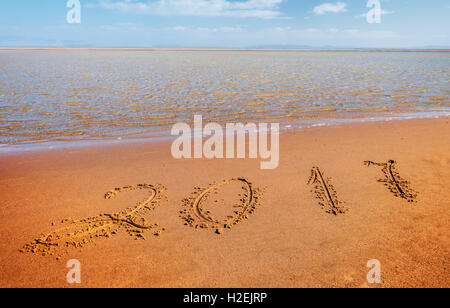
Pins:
x,y
326,193
78,233
395,183
197,217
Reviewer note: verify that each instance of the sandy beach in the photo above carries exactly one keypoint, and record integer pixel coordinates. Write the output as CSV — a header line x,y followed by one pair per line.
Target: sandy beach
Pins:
x,y
288,241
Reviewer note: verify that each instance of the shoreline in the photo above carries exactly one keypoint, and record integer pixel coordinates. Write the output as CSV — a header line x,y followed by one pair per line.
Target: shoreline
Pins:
x,y
165,137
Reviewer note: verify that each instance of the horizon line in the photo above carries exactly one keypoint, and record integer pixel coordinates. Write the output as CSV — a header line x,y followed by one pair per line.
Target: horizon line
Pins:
x,y
223,49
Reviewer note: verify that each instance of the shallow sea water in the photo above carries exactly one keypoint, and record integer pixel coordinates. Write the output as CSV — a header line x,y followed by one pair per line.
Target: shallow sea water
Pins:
x,y
54,96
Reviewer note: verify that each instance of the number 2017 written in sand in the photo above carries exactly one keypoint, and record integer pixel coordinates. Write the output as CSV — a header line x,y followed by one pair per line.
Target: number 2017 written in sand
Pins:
x,y
197,210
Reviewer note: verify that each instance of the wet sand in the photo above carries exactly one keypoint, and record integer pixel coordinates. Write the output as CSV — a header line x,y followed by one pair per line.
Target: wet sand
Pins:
x,y
288,240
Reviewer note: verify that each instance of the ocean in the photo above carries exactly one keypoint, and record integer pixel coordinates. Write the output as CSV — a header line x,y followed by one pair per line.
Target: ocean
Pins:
x,y
61,96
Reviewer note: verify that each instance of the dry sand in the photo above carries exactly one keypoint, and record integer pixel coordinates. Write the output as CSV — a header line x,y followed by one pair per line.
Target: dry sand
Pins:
x,y
289,240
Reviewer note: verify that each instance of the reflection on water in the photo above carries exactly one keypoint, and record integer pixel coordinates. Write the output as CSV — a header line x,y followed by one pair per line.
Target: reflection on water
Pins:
x,y
68,95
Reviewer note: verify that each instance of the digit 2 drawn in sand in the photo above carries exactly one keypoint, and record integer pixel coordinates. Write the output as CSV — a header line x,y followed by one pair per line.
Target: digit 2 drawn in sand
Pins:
x,y
326,193
81,232
398,186
197,217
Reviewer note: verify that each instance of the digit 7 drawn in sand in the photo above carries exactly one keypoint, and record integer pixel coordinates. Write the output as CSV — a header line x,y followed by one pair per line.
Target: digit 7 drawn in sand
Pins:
x,y
80,232
325,192
195,215
395,183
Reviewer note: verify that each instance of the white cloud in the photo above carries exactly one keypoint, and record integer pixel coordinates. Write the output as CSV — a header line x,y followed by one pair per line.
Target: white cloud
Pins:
x,y
383,12
180,28
205,29
338,7
268,9
126,26
273,37
317,37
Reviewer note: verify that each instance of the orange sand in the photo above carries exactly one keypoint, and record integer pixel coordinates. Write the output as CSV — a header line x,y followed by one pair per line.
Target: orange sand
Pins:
x,y
289,241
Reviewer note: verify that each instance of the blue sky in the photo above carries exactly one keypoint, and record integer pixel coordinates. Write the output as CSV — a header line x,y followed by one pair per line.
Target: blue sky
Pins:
x,y
225,23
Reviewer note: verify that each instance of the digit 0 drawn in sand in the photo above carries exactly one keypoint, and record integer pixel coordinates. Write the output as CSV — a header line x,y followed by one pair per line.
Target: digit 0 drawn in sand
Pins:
x,y
78,233
326,193
395,183
196,216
